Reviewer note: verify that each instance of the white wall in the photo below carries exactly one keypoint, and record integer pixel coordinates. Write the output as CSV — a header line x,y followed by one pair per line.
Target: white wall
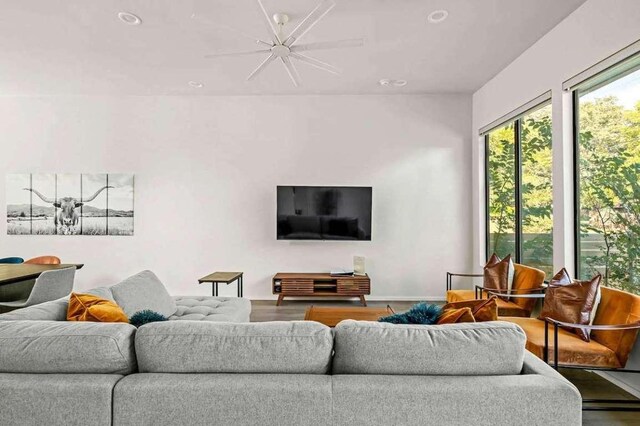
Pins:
x,y
206,174
593,32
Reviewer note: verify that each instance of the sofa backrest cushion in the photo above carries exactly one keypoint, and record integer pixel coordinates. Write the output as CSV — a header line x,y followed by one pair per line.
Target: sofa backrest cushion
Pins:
x,y
55,310
143,291
487,348
207,347
66,347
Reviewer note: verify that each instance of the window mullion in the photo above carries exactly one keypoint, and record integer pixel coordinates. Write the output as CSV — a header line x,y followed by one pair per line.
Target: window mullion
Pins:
x,y
518,191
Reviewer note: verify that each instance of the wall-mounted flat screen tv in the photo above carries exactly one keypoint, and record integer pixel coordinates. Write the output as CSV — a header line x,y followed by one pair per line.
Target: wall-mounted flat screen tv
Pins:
x,y
324,213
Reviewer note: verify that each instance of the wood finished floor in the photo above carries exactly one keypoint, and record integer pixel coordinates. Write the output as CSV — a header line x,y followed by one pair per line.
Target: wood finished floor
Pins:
x,y
589,384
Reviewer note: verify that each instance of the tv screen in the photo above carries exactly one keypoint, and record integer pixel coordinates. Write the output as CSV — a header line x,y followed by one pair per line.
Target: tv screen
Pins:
x,y
324,213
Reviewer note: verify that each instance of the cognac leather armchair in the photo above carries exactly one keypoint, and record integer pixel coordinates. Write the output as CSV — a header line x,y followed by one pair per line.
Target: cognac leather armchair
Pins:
x,y
526,280
613,336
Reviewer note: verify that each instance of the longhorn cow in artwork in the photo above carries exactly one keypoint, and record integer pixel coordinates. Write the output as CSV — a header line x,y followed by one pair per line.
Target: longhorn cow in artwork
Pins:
x,y
67,218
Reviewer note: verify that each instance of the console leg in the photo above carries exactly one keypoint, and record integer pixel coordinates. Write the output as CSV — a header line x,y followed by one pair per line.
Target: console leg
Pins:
x,y
280,299
363,301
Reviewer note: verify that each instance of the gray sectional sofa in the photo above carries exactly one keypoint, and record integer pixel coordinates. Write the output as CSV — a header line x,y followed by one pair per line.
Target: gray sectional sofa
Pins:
x,y
277,373
145,291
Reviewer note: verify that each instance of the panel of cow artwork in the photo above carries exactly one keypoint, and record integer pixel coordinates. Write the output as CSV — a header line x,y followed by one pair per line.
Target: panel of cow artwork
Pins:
x,y
70,204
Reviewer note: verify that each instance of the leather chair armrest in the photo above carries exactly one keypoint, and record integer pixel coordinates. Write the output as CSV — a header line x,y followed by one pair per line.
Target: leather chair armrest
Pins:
x,y
556,324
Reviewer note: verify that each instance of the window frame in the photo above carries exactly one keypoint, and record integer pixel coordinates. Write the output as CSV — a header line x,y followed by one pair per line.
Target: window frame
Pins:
x,y
539,103
574,89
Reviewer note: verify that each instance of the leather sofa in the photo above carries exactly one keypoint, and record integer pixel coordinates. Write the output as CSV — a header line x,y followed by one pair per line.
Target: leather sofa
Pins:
x,y
277,373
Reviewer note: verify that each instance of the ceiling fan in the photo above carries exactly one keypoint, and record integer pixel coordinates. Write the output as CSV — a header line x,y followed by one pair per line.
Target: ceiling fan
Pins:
x,y
286,47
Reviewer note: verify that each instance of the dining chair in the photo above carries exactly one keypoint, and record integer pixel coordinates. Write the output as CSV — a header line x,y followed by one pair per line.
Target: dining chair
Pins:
x,y
44,260
50,285
11,260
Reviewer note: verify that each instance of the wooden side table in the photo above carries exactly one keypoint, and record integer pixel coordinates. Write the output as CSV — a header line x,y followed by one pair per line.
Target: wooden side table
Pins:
x,y
222,277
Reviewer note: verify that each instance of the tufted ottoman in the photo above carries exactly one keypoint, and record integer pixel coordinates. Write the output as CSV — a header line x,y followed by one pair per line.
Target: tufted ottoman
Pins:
x,y
207,308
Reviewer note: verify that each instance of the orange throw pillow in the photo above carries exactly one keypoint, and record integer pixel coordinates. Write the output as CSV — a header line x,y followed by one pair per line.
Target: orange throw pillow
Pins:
x,y
452,316
87,307
482,310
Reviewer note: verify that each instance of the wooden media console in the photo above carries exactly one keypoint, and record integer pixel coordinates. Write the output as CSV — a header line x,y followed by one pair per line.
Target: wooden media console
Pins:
x,y
320,285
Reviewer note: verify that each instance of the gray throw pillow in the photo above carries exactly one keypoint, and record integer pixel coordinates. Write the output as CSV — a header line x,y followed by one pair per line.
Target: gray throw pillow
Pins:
x,y
143,291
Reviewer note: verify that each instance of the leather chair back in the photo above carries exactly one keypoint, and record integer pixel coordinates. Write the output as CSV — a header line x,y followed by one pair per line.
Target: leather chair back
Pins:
x,y
525,278
617,307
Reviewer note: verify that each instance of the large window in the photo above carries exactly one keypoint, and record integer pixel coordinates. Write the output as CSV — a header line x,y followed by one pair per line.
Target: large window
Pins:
x,y
607,114
519,189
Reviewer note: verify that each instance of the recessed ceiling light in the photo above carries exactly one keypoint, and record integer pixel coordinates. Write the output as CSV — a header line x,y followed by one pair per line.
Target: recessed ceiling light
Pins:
x,y
386,82
129,18
196,84
437,16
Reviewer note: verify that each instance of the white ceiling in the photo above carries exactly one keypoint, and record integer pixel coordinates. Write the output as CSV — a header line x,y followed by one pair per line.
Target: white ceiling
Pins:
x,y
80,46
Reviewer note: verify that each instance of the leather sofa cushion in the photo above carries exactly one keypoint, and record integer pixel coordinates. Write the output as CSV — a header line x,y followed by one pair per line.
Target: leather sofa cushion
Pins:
x,y
505,308
143,291
572,303
66,347
498,274
456,316
488,348
302,347
572,350
482,310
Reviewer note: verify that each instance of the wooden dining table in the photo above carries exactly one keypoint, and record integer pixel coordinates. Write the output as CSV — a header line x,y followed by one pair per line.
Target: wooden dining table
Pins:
x,y
14,273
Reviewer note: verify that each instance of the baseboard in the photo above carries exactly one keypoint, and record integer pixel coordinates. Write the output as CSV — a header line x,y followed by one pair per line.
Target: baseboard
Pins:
x,y
618,382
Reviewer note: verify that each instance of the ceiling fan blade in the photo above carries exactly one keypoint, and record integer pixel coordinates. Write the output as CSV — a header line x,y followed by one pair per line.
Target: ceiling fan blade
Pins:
x,y
307,23
211,23
225,54
261,67
338,44
315,63
270,24
291,70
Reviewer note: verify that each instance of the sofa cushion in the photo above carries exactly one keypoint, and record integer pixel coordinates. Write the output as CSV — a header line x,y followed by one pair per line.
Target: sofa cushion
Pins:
x,y
57,399
456,316
487,348
572,350
143,291
55,310
211,347
87,307
498,273
506,308
223,399
66,347
207,308
482,309
572,303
